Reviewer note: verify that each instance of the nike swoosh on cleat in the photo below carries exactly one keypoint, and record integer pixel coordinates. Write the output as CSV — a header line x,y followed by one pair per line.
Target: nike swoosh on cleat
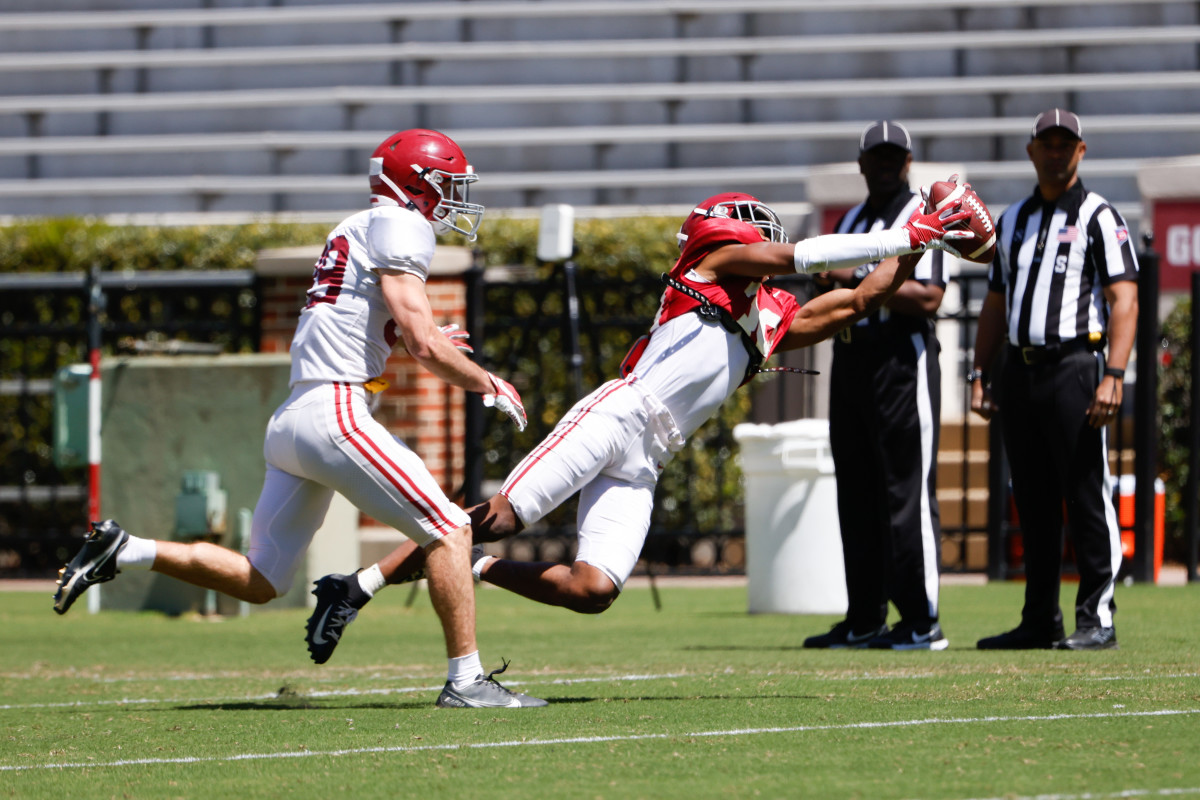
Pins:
x,y
316,637
102,558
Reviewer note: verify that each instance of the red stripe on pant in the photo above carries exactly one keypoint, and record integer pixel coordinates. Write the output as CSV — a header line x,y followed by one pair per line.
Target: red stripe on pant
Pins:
x,y
556,437
375,455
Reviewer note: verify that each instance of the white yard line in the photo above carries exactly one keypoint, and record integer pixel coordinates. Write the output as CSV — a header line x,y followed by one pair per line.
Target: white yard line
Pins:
x,y
1104,795
325,693
534,682
595,740
345,674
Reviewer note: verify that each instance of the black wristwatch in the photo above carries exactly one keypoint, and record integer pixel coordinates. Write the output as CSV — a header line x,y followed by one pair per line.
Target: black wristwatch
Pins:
x,y
974,375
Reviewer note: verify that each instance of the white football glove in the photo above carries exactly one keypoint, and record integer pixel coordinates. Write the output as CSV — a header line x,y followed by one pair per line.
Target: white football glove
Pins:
x,y
507,400
457,338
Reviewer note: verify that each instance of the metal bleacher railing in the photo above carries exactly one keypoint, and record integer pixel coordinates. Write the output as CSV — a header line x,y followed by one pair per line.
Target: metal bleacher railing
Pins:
x,y
597,135
424,53
350,97
411,12
756,46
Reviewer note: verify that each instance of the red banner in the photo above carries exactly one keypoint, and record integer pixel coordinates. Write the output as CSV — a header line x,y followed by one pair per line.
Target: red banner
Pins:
x,y
1177,241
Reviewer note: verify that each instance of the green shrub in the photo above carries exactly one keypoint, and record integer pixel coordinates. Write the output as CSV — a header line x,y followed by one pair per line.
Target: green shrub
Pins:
x,y
66,245
1174,402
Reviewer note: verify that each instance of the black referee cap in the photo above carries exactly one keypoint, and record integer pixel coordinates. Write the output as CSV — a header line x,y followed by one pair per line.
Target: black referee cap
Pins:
x,y
885,132
1057,118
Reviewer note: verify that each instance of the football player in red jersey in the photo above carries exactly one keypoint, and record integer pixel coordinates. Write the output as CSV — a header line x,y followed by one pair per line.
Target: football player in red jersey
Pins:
x,y
715,326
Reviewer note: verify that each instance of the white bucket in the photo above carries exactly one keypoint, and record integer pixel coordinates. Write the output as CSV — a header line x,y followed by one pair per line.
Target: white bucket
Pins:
x,y
793,539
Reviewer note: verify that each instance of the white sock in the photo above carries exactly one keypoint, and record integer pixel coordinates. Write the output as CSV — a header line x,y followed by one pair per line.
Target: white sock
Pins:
x,y
477,567
371,580
137,553
465,669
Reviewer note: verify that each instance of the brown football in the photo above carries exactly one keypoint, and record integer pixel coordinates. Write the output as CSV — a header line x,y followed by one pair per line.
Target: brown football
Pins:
x,y
982,247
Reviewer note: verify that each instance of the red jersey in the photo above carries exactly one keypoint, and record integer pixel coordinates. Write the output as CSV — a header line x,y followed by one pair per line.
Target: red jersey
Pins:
x,y
763,313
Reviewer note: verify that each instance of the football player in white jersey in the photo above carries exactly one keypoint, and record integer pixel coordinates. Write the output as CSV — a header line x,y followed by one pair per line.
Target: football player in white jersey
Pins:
x,y
368,293
613,444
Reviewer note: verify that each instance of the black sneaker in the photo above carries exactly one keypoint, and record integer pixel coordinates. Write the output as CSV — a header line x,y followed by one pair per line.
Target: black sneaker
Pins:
x,y
1022,638
96,562
841,637
1089,639
907,637
339,598
485,693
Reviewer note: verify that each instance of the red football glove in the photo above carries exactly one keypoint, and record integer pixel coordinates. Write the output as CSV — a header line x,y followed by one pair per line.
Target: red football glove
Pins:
x,y
931,230
507,400
457,338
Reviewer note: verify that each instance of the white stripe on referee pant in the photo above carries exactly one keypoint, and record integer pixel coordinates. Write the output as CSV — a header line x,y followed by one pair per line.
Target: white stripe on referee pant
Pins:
x,y
927,422
1104,605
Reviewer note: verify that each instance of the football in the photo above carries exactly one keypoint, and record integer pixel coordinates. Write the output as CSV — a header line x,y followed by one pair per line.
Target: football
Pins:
x,y
982,247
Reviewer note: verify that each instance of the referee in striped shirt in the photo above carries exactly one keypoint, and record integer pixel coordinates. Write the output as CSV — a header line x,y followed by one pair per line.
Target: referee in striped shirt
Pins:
x,y
1061,289
884,412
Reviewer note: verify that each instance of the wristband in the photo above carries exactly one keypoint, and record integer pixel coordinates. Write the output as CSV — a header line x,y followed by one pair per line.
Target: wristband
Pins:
x,y
1115,372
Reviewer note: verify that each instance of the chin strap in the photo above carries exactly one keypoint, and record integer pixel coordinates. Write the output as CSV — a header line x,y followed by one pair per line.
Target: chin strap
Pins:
x,y
711,311
707,310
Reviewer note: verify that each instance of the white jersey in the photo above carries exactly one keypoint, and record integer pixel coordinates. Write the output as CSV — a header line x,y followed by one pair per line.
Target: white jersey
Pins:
x,y
323,439
691,366
613,444
346,331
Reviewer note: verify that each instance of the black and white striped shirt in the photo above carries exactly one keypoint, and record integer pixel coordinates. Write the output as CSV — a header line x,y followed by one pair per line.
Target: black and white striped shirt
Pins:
x,y
863,219
1053,261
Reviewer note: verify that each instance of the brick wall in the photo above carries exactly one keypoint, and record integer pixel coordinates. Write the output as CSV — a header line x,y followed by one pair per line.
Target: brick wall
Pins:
x,y
426,413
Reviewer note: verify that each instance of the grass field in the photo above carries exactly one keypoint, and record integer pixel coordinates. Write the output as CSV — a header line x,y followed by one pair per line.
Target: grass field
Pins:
x,y
697,700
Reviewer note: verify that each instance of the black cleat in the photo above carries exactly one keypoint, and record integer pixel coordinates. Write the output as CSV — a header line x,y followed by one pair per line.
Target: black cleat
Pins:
x,y
339,598
1089,639
96,562
486,693
1022,638
841,637
908,637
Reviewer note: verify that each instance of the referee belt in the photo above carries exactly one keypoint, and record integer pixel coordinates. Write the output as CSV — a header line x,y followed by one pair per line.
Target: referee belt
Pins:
x,y
875,332
1048,354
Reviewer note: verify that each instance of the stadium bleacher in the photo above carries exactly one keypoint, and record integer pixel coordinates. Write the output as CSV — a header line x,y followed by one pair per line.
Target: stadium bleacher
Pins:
x,y
118,108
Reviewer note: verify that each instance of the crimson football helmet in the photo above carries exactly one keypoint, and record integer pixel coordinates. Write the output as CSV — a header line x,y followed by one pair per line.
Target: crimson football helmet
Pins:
x,y
427,172
718,211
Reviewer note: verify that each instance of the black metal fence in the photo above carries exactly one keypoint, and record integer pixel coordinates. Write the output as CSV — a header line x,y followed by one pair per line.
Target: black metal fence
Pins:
x,y
43,509
557,332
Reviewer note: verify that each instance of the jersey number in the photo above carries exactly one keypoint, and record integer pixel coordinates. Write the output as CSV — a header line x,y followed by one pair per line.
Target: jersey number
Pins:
x,y
329,272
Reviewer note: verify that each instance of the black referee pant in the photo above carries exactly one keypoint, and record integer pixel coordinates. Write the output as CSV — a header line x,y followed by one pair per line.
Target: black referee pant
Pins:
x,y
884,412
1056,458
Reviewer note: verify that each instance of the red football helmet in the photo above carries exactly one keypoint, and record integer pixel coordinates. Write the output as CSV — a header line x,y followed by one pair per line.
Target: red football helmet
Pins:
x,y
727,212
427,172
